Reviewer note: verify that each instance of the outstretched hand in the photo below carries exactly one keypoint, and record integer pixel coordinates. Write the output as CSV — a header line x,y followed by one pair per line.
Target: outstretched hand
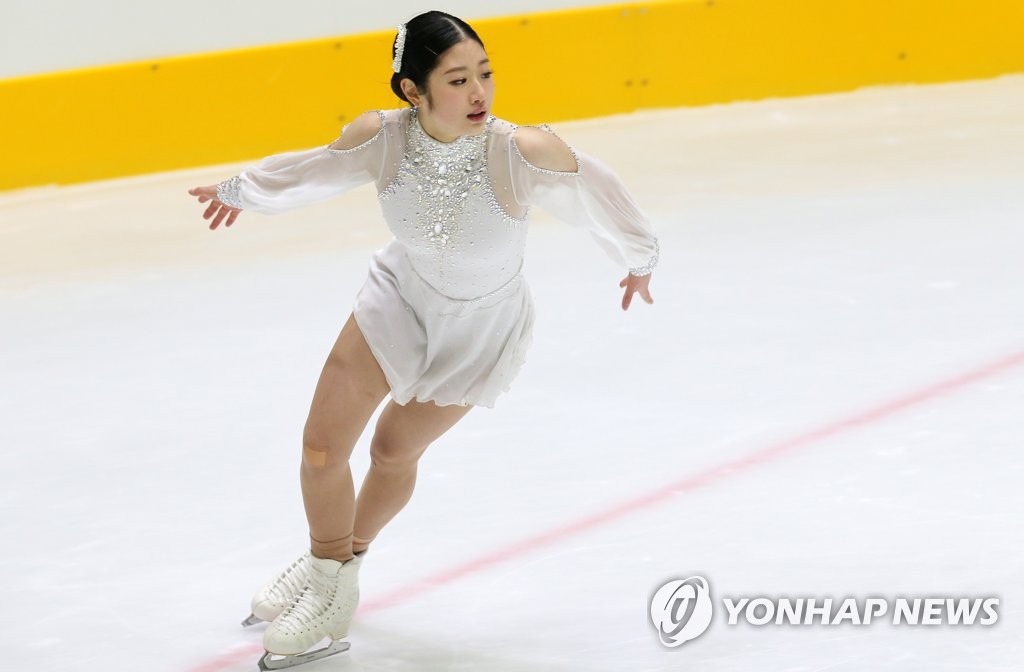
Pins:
x,y
636,283
217,208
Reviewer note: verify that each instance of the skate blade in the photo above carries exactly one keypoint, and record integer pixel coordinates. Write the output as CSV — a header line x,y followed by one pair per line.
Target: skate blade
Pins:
x,y
252,620
270,662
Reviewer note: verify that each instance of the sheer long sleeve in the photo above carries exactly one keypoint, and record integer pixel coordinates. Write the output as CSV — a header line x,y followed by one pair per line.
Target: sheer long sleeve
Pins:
x,y
593,198
293,179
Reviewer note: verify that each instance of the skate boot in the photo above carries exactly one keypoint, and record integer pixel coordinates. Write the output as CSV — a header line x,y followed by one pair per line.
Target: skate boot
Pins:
x,y
274,598
324,608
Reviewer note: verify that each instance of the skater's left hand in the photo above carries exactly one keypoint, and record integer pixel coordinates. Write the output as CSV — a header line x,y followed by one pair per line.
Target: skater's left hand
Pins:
x,y
636,283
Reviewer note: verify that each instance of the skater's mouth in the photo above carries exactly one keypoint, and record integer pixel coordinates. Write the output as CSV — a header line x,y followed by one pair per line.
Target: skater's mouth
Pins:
x,y
478,116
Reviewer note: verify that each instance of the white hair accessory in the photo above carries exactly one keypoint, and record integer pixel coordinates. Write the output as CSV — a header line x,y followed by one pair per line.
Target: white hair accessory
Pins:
x,y
396,64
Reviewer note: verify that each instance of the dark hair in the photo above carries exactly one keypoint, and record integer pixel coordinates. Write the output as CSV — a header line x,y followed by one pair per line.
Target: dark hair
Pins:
x,y
427,37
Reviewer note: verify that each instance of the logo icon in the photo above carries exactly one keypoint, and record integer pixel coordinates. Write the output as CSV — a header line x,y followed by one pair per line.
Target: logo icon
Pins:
x,y
681,610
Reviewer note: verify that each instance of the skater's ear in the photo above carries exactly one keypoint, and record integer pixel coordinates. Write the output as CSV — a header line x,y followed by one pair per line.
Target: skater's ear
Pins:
x,y
411,91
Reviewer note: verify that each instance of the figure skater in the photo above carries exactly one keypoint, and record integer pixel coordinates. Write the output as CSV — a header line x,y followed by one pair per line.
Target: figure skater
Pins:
x,y
445,317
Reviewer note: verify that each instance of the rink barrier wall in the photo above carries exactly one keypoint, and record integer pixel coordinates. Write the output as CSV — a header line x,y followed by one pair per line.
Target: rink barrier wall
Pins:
x,y
239,105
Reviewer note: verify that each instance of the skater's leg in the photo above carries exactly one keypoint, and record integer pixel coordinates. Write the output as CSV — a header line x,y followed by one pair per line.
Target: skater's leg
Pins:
x,y
400,438
350,389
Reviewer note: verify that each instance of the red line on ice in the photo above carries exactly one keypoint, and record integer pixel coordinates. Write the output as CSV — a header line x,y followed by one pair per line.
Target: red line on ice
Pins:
x,y
688,484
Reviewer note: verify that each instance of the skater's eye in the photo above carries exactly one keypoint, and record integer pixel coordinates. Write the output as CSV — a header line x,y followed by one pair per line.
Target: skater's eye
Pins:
x,y
459,82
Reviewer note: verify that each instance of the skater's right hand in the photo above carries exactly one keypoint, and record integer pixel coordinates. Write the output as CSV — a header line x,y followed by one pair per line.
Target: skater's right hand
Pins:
x,y
209,193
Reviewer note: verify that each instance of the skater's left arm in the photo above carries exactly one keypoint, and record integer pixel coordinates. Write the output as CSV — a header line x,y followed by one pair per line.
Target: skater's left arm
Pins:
x,y
583,191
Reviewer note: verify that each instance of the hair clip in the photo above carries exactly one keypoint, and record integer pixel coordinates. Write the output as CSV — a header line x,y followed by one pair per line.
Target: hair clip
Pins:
x,y
396,64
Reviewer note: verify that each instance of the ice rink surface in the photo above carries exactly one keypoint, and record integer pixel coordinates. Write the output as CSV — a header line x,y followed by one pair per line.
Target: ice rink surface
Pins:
x,y
825,400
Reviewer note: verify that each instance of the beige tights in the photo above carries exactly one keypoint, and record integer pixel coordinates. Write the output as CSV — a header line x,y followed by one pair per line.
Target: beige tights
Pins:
x,y
385,491
328,495
339,525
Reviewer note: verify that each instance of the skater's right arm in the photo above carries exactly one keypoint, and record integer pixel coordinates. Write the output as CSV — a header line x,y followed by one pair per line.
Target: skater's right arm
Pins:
x,y
293,179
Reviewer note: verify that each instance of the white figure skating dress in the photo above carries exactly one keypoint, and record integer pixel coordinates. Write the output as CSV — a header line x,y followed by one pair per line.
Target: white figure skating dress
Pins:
x,y
445,308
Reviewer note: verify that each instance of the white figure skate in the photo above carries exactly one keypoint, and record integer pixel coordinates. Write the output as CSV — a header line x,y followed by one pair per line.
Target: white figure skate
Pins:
x,y
272,599
324,608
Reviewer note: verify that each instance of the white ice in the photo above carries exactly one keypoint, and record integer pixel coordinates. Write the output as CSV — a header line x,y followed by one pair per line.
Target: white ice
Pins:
x,y
822,259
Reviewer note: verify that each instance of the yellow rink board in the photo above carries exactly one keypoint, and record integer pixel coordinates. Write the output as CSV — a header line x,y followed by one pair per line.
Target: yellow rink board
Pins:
x,y
239,105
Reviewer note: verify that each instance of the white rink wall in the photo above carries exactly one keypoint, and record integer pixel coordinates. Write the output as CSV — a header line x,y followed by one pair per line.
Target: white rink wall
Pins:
x,y
40,36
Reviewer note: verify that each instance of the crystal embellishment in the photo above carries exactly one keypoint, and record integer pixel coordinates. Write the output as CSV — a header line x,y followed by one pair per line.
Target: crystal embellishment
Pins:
x,y
228,192
648,268
443,176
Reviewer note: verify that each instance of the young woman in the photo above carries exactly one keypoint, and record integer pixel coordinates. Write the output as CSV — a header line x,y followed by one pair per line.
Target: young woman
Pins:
x,y
445,317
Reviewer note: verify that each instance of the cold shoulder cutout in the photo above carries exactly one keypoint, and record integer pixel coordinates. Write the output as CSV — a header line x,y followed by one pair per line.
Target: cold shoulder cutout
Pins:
x,y
591,197
544,150
363,129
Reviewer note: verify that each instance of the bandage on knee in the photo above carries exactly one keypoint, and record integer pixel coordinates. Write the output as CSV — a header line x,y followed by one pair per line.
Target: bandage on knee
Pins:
x,y
314,458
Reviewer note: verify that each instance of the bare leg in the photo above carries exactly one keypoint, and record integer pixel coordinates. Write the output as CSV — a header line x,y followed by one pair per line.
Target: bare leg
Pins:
x,y
350,389
400,438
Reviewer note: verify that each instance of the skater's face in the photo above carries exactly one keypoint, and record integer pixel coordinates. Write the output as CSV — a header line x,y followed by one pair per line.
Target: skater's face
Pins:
x,y
459,95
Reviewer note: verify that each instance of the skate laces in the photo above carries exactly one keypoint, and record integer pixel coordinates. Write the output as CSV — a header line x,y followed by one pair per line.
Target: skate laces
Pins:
x,y
311,602
316,598
290,582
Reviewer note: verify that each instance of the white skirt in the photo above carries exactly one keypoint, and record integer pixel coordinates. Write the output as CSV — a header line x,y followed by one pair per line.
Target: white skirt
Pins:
x,y
435,348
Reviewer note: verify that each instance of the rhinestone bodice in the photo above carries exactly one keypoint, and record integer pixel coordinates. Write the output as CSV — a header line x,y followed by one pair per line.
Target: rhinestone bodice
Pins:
x,y
441,206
